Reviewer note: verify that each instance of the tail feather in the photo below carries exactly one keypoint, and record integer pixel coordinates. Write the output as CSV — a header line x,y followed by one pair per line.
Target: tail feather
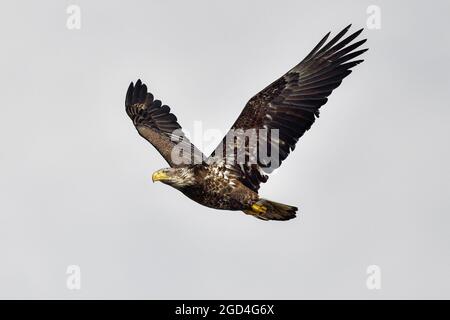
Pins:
x,y
270,210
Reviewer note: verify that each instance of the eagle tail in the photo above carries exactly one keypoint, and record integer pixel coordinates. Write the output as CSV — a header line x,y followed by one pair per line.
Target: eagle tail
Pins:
x,y
271,210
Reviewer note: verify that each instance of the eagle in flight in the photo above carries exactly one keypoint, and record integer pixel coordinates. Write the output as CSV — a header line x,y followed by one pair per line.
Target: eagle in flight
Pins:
x,y
289,106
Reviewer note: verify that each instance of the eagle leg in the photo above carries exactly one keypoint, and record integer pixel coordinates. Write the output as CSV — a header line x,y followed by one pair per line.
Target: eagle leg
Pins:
x,y
258,209
270,210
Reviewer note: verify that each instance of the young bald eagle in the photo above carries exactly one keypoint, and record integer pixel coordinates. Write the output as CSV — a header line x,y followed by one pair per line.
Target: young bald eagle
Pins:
x,y
289,105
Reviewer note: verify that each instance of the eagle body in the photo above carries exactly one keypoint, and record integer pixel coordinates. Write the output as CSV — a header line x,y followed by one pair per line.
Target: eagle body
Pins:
x,y
289,106
215,187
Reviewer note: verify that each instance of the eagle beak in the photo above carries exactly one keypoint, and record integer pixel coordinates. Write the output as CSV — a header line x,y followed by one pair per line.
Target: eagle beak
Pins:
x,y
159,175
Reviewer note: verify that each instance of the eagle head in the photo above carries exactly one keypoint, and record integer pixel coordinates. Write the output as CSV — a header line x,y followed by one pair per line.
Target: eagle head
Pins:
x,y
175,177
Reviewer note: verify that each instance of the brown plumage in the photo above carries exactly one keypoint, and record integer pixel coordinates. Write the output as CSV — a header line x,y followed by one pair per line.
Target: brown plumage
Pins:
x,y
289,105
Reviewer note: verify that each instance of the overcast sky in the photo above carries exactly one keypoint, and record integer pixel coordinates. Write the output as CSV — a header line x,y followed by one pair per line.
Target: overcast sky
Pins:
x,y
371,178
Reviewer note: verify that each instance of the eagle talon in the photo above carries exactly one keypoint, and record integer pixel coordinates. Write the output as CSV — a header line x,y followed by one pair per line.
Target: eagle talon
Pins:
x,y
258,208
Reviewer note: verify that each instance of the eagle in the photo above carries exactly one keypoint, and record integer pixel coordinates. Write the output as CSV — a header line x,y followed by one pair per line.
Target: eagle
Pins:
x,y
229,179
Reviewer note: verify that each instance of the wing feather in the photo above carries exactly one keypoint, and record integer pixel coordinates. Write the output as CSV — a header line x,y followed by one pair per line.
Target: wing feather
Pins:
x,y
155,123
291,103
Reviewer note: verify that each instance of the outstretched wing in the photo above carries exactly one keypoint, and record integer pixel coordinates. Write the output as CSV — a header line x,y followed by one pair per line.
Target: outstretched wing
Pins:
x,y
159,126
291,105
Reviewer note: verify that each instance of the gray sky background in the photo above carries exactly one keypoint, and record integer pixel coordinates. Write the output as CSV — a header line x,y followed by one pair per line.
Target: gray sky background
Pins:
x,y
371,178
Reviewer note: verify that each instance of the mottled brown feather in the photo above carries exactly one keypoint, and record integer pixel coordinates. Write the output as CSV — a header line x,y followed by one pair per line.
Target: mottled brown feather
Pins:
x,y
291,103
156,124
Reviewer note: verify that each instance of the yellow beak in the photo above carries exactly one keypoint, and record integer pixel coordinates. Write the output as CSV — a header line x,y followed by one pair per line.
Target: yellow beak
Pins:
x,y
159,175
